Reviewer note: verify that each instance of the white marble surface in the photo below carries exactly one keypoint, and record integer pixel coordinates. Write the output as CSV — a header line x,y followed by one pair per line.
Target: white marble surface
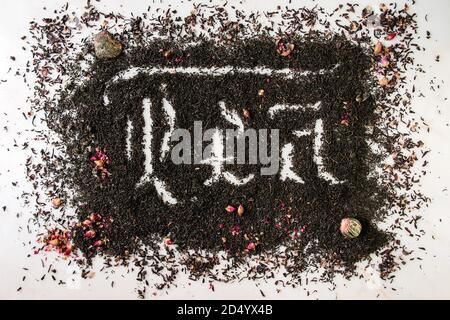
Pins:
x,y
429,278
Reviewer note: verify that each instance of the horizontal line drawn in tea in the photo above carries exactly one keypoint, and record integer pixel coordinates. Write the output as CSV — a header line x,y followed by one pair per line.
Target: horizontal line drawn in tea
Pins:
x,y
286,73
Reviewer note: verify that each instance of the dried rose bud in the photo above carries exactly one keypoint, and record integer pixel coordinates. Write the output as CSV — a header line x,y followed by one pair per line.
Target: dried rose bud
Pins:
x,y
240,210
235,230
286,51
44,72
87,222
378,48
68,251
168,241
350,227
178,59
56,202
54,242
168,54
385,61
89,234
98,243
261,92
95,217
99,163
384,82
251,246
230,209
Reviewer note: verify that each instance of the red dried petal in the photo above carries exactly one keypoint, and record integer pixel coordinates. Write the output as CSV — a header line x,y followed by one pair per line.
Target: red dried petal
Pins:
x,y
390,36
98,243
230,209
89,234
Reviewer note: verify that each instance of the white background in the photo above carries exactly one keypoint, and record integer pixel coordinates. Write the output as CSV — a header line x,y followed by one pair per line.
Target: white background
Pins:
x,y
429,278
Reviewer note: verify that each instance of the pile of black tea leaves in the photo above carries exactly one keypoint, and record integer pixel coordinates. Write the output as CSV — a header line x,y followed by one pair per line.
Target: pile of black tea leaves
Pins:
x,y
114,192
